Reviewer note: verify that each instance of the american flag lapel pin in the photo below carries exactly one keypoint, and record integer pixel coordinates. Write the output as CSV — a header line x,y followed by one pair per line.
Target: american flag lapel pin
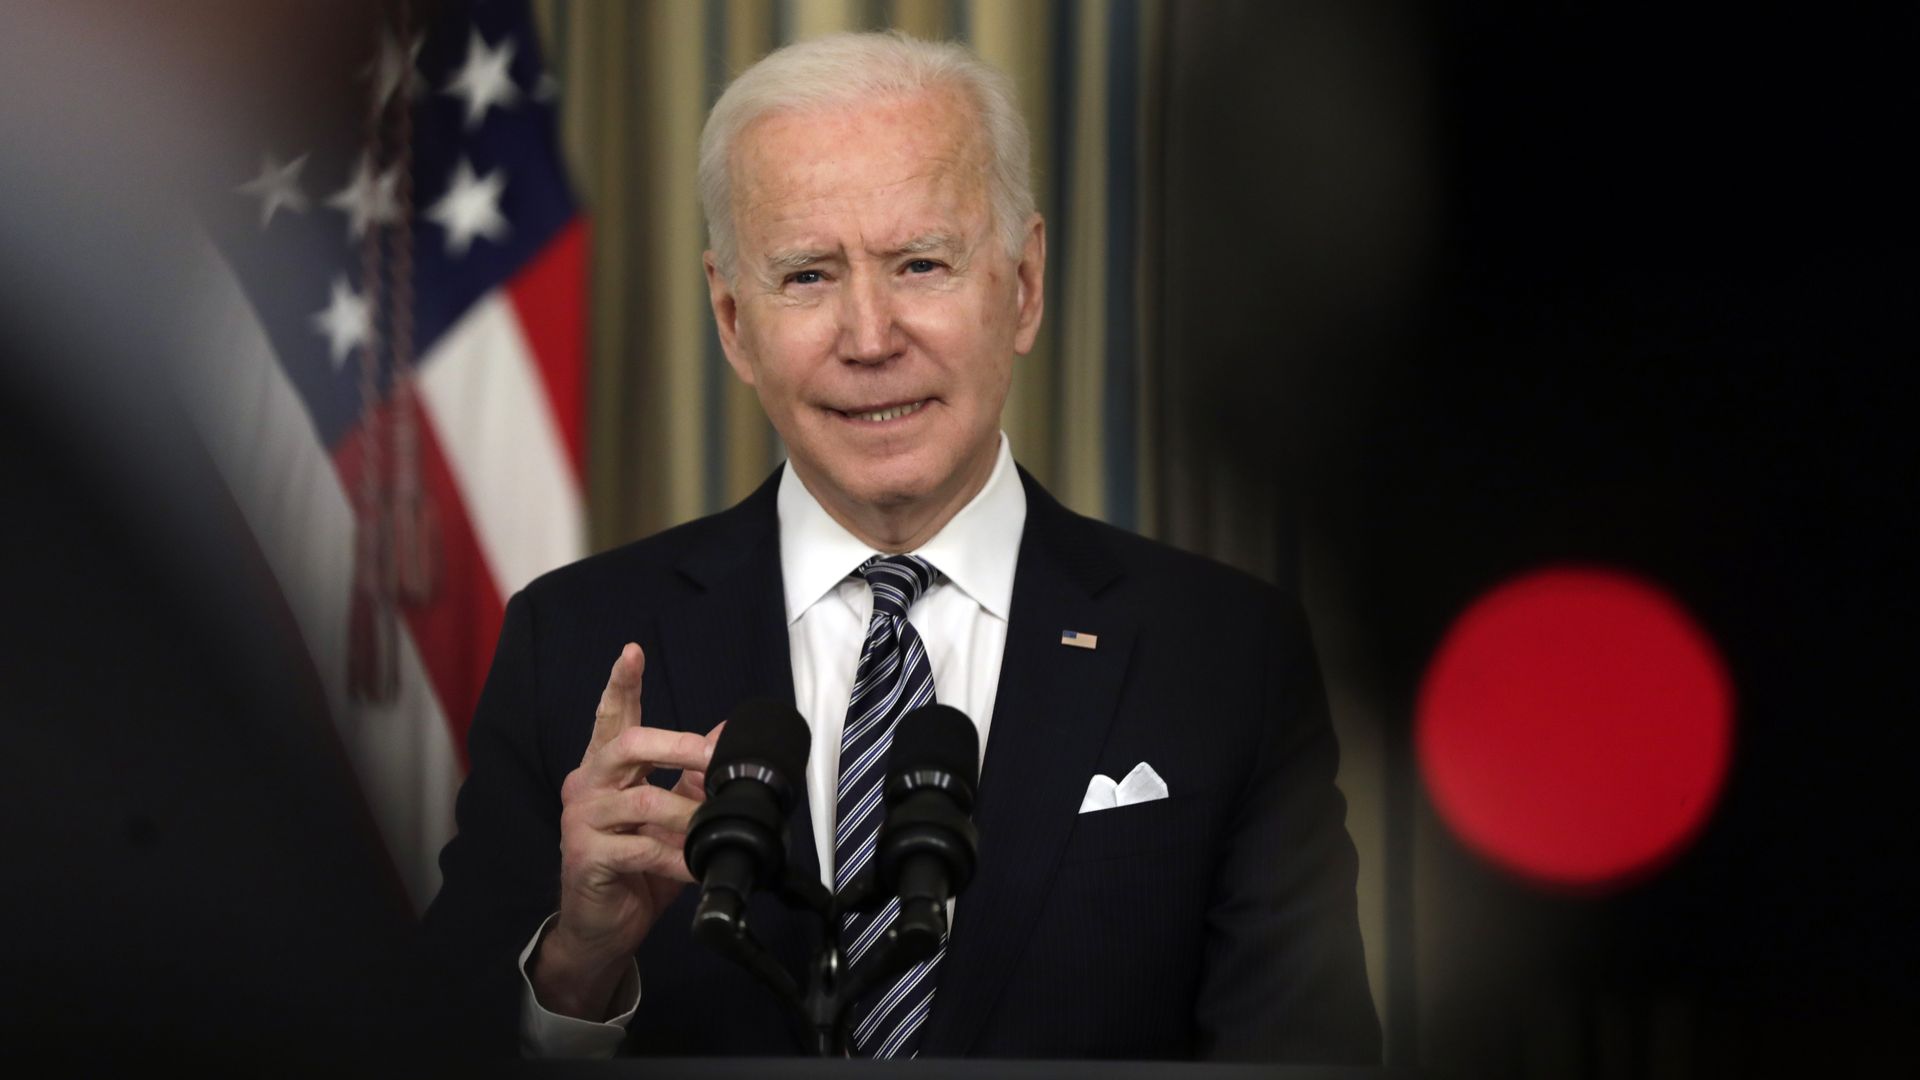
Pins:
x,y
1079,639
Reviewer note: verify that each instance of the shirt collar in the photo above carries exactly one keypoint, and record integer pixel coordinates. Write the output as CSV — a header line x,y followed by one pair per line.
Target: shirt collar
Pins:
x,y
975,551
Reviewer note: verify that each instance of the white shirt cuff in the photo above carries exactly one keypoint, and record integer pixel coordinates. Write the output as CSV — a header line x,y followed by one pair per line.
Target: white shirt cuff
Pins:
x,y
546,1034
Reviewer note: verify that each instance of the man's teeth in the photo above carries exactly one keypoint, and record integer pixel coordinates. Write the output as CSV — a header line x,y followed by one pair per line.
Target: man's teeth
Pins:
x,y
889,414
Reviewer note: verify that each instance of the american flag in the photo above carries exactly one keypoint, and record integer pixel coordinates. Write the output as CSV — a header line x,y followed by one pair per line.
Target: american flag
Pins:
x,y
397,406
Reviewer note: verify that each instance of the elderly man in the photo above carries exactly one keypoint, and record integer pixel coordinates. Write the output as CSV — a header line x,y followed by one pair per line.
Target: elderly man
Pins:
x,y
877,266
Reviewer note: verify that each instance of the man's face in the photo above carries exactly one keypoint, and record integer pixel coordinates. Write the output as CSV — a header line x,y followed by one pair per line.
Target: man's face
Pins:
x,y
874,308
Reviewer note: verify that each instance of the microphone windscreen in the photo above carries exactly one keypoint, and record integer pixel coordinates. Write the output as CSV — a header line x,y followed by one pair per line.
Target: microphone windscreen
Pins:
x,y
936,737
767,733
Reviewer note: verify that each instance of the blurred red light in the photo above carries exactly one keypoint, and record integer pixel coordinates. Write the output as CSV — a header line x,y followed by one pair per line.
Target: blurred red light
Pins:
x,y
1575,727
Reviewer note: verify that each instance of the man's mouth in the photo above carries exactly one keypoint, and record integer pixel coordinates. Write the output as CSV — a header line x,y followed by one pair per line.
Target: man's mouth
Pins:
x,y
880,414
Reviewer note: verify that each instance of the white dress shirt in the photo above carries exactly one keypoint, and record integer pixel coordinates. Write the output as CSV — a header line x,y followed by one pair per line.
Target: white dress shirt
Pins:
x,y
961,618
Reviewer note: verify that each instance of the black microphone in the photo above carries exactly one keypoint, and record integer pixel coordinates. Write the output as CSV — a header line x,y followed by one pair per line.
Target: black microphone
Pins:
x,y
928,847
737,842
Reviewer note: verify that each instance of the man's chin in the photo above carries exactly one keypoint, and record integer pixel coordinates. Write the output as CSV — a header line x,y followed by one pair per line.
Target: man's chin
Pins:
x,y
859,477
890,492
844,475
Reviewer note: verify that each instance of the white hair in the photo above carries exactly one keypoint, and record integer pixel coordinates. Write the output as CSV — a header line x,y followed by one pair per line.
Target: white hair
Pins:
x,y
840,70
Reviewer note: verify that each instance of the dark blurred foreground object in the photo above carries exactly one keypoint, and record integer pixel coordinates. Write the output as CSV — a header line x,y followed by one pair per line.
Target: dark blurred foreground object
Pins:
x,y
188,867
189,874
1514,286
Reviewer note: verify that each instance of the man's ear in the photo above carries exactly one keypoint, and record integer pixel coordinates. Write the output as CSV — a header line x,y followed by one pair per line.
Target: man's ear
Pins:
x,y
726,318
1031,295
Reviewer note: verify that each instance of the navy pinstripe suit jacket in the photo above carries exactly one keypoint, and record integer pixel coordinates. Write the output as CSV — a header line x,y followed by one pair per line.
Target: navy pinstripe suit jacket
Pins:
x,y
1218,922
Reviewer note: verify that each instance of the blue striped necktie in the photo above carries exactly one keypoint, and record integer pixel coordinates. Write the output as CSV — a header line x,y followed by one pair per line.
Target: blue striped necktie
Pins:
x,y
894,678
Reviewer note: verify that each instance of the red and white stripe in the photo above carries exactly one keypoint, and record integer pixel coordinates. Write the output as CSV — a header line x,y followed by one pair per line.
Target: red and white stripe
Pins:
x,y
501,452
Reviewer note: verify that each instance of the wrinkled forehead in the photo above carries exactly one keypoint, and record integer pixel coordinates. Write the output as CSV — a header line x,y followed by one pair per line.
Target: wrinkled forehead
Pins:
x,y
927,148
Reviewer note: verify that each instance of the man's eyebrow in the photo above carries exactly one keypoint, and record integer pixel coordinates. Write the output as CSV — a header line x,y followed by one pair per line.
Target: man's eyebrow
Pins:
x,y
920,245
795,259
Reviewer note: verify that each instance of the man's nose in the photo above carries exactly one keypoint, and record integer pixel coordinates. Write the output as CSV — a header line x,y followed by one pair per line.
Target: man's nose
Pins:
x,y
869,333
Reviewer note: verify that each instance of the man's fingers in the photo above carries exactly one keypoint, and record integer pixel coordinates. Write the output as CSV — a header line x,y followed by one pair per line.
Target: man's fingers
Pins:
x,y
637,751
661,854
674,842
619,707
636,809
692,785
693,782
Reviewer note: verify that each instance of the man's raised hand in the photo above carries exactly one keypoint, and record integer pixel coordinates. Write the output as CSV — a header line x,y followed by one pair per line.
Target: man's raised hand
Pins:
x,y
622,845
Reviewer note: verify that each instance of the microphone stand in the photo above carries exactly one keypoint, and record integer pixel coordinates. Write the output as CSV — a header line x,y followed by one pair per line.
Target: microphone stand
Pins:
x,y
819,1013
926,851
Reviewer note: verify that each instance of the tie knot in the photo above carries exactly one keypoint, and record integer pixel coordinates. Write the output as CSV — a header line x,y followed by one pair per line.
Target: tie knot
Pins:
x,y
897,581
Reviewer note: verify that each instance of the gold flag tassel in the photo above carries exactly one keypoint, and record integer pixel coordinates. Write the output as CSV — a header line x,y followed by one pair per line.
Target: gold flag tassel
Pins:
x,y
396,536
416,521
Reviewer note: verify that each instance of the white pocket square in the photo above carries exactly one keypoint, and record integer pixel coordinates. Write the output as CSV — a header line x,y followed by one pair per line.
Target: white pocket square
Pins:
x,y
1141,785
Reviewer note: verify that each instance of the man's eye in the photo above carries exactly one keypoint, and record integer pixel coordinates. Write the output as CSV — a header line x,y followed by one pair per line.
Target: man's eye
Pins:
x,y
923,266
805,277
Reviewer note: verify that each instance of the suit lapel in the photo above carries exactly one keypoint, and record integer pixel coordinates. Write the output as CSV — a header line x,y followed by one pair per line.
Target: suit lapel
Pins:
x,y
1050,719
728,642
